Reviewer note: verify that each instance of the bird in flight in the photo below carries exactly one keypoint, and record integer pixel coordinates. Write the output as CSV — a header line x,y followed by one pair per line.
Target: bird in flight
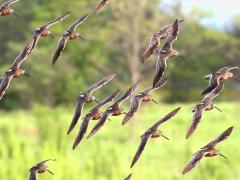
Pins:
x,y
208,150
138,98
205,105
39,168
114,110
152,132
5,8
87,97
93,114
128,177
70,34
101,5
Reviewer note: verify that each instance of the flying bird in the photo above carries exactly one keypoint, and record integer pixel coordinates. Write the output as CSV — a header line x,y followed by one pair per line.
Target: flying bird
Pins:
x,y
214,78
155,38
113,110
94,114
138,98
70,34
87,97
166,52
152,132
43,31
101,5
205,105
208,151
5,8
39,168
128,177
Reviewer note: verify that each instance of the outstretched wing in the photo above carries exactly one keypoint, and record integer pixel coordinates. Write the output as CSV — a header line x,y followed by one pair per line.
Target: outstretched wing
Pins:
x,y
8,3
33,175
5,82
60,47
77,114
101,5
159,84
54,21
128,177
44,161
219,139
74,26
154,42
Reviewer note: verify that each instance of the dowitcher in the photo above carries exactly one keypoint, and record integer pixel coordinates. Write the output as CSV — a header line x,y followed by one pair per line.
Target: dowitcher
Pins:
x,y
5,8
152,132
101,5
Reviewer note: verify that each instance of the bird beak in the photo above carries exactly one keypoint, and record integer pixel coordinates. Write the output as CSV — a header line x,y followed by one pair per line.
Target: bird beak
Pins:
x,y
52,35
154,101
223,156
80,37
26,74
50,172
96,101
164,136
15,14
181,57
218,109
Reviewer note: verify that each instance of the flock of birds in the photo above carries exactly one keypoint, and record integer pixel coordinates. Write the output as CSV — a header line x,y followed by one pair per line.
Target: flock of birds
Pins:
x,y
169,34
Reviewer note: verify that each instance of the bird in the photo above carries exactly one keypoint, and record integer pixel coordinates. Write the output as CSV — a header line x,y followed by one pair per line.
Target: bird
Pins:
x,y
87,97
214,78
154,40
70,34
5,8
43,31
152,132
113,110
39,168
94,114
128,177
208,151
15,71
101,5
205,105
138,98
166,52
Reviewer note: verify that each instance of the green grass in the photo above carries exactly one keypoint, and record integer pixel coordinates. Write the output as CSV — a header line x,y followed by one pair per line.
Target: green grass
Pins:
x,y
28,137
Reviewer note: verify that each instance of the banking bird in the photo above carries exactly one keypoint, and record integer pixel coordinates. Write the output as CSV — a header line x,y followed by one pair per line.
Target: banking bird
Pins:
x,y
101,5
87,97
39,168
137,99
114,110
155,38
43,31
94,114
5,8
215,78
128,177
166,52
208,150
152,132
205,105
70,34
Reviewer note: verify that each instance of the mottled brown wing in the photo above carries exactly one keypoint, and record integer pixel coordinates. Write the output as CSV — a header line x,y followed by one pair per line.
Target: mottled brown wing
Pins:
x,y
100,123
74,26
101,5
5,83
220,138
60,47
195,160
44,161
159,84
32,175
35,38
54,21
101,83
128,177
215,92
144,140
154,42
8,3
82,130
209,89
164,119
166,30
77,114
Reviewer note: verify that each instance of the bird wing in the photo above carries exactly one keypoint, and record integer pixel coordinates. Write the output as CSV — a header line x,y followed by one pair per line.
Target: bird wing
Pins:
x,y
154,42
159,84
101,5
215,92
128,177
219,139
44,161
8,3
212,84
54,21
60,47
5,83
101,83
195,160
35,37
33,175
144,140
74,26
77,114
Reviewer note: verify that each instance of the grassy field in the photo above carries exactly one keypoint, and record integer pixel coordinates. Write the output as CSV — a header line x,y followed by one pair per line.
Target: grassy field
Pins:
x,y
28,137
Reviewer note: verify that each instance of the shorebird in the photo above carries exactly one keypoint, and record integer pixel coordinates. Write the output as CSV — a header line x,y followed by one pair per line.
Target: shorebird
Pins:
x,y
101,5
93,114
155,38
152,132
208,150
166,52
39,168
214,78
5,8
70,34
87,97
138,98
14,71
113,110
43,31
128,177
205,105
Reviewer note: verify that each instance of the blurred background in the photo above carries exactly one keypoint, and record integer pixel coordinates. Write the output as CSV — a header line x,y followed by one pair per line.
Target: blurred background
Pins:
x,y
36,112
